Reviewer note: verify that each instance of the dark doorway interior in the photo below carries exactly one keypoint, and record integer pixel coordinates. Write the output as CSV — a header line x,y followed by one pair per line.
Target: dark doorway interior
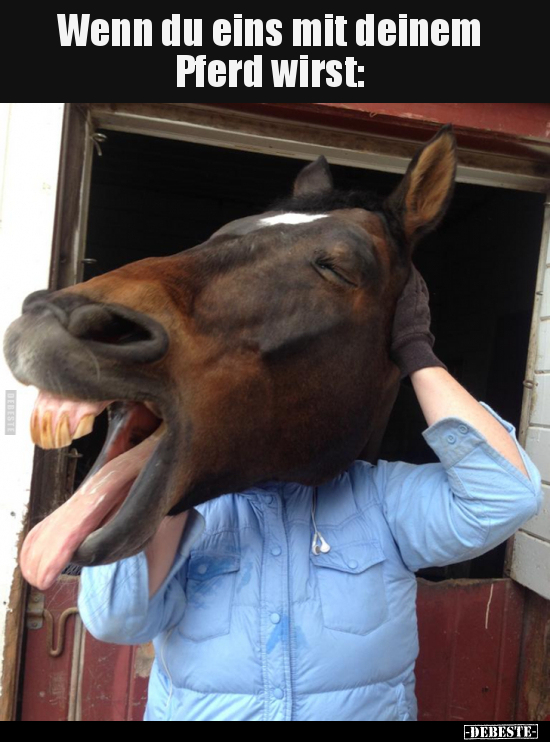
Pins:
x,y
153,197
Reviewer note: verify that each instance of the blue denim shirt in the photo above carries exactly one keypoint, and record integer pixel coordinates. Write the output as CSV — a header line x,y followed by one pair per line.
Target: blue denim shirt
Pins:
x,y
252,624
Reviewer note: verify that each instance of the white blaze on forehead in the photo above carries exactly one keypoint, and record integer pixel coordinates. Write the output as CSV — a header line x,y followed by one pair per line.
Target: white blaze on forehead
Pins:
x,y
249,224
291,219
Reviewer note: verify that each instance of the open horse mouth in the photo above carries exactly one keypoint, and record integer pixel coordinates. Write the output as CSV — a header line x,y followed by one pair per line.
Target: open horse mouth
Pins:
x,y
130,449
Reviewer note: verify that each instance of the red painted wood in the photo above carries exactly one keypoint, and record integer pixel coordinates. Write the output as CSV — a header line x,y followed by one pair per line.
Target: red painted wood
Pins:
x,y
470,638
114,678
109,688
524,132
534,685
46,679
518,119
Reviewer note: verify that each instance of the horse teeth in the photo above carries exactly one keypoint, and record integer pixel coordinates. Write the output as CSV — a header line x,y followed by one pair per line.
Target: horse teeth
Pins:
x,y
63,433
35,428
43,436
46,435
84,427
53,419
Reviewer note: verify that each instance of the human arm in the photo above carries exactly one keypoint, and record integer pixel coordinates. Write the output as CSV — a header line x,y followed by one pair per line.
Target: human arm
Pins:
x,y
160,552
485,486
122,603
440,396
461,507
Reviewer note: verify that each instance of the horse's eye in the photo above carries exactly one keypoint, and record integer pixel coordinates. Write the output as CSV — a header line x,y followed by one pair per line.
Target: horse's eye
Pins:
x,y
325,264
331,273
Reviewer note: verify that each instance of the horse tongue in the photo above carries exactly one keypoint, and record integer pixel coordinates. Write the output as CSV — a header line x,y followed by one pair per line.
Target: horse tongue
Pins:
x,y
49,546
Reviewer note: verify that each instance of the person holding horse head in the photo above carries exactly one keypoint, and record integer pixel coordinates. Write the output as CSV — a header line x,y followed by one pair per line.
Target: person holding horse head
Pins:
x,y
229,518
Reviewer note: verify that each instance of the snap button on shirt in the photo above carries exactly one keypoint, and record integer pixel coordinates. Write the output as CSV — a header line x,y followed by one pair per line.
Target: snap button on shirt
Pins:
x,y
451,438
463,429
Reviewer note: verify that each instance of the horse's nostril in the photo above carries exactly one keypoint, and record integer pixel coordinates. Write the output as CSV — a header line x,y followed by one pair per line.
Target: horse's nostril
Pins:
x,y
94,322
119,332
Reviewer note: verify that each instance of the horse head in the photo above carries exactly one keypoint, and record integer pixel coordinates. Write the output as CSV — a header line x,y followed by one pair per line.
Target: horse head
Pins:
x,y
260,354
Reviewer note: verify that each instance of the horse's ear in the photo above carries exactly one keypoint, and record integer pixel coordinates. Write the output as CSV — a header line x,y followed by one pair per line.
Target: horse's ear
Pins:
x,y
420,201
315,178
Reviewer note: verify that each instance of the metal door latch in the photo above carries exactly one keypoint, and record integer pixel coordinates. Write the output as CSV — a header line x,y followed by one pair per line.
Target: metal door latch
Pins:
x,y
37,614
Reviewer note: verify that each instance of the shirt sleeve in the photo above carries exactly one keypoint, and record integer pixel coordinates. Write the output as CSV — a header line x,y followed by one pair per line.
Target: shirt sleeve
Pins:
x,y
467,504
113,599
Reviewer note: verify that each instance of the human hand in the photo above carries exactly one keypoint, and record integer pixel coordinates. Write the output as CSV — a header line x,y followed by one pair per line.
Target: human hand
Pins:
x,y
412,341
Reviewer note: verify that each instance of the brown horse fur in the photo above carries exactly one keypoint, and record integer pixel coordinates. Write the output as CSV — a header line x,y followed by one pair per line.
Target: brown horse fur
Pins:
x,y
265,349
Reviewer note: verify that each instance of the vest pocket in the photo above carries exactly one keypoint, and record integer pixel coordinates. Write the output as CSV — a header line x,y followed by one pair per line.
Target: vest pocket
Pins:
x,y
209,591
351,586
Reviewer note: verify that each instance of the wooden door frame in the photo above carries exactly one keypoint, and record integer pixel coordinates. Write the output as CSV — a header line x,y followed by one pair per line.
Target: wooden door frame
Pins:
x,y
51,470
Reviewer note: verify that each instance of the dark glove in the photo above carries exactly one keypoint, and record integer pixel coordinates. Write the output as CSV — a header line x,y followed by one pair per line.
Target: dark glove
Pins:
x,y
412,341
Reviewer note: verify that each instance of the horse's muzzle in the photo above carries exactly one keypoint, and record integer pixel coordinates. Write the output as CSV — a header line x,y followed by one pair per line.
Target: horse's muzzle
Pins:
x,y
113,331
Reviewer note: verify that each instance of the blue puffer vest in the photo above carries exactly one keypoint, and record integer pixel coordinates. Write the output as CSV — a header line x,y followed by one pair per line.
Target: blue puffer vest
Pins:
x,y
287,604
